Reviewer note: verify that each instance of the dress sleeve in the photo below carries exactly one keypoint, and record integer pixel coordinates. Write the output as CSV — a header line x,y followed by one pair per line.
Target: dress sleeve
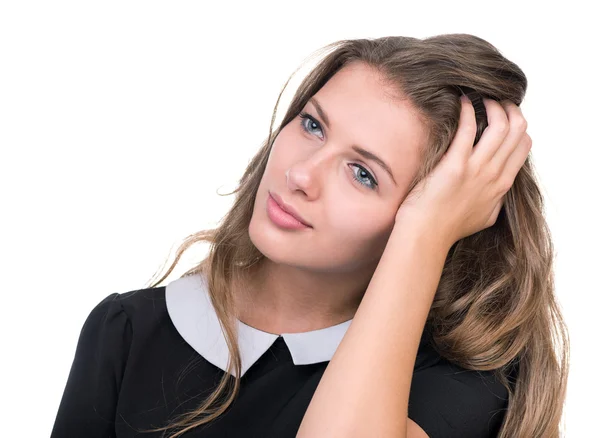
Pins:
x,y
87,407
448,401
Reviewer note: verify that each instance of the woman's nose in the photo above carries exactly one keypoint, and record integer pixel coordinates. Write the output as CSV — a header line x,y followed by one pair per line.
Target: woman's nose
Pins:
x,y
309,174
303,179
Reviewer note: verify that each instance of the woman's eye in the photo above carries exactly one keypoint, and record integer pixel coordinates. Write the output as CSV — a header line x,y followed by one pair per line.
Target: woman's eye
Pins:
x,y
362,177
363,174
309,124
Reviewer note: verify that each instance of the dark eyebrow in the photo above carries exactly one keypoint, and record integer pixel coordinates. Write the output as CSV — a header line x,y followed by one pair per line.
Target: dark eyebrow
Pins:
x,y
371,156
320,111
365,153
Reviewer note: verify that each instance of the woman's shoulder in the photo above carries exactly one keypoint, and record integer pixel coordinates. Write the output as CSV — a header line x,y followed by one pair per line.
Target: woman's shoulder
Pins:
x,y
121,315
133,300
143,303
101,356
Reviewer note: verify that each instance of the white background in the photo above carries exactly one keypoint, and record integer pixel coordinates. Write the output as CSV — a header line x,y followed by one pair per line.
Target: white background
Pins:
x,y
120,121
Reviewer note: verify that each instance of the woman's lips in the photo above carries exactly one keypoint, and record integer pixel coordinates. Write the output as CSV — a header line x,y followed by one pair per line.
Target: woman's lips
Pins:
x,y
281,217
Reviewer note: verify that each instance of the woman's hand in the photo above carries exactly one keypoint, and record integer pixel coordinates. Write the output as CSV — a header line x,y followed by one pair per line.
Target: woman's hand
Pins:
x,y
464,193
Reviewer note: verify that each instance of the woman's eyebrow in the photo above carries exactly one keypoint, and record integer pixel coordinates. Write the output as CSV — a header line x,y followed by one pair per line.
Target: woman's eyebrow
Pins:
x,y
362,151
371,156
320,111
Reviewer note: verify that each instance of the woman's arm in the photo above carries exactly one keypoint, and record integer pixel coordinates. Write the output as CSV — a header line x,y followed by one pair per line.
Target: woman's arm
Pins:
x,y
364,389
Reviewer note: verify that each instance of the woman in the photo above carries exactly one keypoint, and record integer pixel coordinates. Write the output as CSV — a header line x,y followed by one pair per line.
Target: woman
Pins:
x,y
377,275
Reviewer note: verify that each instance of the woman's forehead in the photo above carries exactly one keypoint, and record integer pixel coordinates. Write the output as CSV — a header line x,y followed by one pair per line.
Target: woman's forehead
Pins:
x,y
359,110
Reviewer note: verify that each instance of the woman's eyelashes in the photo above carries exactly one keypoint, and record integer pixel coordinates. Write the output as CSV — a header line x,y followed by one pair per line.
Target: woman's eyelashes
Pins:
x,y
372,185
309,123
312,123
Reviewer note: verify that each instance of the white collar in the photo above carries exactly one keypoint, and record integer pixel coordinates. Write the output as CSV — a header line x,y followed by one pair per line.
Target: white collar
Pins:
x,y
195,318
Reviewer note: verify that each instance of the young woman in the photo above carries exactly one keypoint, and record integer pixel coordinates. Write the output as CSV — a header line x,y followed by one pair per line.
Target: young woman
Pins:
x,y
385,271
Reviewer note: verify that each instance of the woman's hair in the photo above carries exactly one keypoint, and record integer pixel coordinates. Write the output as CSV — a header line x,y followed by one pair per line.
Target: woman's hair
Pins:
x,y
495,306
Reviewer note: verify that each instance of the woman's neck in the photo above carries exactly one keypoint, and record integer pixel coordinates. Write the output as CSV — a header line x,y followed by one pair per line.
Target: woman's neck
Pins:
x,y
285,299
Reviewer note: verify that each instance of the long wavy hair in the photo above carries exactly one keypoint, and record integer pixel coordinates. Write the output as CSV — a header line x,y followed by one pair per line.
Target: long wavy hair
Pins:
x,y
495,306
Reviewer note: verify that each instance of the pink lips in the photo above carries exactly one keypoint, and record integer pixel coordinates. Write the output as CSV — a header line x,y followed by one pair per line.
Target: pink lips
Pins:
x,y
284,215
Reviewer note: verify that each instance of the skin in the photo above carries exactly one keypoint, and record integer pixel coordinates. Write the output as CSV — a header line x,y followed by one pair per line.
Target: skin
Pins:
x,y
380,268
463,195
315,278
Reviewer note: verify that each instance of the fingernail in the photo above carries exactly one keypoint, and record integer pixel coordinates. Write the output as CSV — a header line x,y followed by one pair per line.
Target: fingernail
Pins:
x,y
464,99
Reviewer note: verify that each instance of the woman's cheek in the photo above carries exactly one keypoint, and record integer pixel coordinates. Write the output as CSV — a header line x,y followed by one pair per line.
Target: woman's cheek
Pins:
x,y
355,223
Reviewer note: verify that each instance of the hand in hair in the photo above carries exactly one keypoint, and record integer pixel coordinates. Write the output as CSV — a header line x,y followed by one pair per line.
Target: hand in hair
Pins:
x,y
464,193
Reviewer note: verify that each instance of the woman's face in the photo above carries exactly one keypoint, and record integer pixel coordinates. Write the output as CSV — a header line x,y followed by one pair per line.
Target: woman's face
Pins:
x,y
313,165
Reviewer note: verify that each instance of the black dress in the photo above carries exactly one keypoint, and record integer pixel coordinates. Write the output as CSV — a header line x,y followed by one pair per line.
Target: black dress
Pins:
x,y
147,355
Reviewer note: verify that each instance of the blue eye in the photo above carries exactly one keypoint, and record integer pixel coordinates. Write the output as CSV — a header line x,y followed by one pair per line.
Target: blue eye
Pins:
x,y
312,123
363,173
309,123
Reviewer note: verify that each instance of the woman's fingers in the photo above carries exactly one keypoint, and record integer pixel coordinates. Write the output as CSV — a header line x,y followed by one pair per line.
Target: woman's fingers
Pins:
x,y
493,136
504,145
518,128
462,143
515,161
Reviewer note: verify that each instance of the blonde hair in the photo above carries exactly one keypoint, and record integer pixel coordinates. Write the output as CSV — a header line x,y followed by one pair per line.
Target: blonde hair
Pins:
x,y
495,307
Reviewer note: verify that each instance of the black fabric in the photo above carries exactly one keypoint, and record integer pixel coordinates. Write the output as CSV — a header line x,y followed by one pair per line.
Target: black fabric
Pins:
x,y
133,371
